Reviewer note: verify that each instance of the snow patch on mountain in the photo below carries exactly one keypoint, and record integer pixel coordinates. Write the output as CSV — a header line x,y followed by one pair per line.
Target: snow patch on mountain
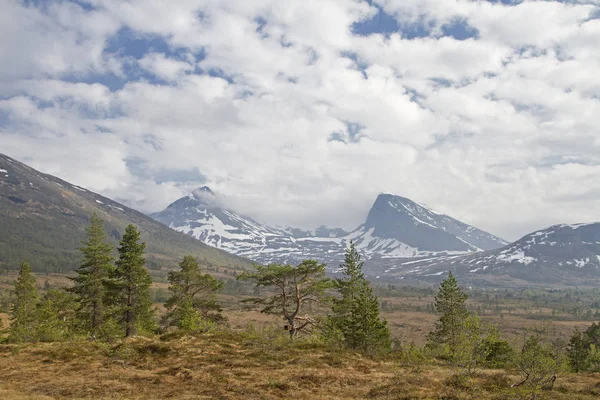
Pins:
x,y
395,228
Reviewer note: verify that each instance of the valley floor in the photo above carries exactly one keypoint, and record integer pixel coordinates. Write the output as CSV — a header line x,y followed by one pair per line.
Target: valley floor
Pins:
x,y
226,365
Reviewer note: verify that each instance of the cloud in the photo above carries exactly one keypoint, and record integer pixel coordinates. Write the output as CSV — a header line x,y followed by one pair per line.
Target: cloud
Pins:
x,y
300,113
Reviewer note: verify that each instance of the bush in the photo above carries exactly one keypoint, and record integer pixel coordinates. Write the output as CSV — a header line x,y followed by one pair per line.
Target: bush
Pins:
x,y
537,363
459,381
498,353
414,358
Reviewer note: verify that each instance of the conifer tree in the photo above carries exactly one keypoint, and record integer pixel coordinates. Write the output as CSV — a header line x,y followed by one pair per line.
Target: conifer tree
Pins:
x,y
578,352
90,282
356,313
48,327
130,286
295,289
193,296
450,302
23,312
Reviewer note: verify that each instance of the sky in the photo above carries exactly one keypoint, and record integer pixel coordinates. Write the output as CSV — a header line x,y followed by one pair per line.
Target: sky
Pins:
x,y
300,112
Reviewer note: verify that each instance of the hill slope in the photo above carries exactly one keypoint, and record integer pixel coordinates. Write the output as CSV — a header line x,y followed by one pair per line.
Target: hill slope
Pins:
x,y
43,219
561,254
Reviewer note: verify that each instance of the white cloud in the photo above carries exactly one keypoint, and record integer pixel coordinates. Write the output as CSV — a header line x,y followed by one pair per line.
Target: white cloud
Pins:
x,y
498,130
61,38
165,68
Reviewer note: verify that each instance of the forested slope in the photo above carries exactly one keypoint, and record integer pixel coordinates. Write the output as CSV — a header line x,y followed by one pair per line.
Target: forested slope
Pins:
x,y
43,219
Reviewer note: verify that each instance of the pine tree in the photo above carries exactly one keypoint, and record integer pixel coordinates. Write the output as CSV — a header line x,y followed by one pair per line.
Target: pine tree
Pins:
x,y
90,282
356,313
294,290
193,296
450,302
130,286
23,312
48,327
578,351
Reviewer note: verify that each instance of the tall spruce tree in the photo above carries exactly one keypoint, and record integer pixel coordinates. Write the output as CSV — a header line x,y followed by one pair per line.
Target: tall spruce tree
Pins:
x,y
193,296
129,287
450,302
90,282
23,313
356,313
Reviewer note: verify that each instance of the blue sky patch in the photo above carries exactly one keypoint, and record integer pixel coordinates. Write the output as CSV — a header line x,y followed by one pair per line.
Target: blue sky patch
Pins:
x,y
381,23
129,43
460,29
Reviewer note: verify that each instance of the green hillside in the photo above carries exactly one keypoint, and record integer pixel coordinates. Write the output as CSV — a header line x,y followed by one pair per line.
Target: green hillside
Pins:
x,y
43,219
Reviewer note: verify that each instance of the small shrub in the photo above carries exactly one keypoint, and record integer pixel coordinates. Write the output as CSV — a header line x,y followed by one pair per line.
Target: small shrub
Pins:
x,y
459,381
332,359
495,382
498,353
153,348
279,385
413,358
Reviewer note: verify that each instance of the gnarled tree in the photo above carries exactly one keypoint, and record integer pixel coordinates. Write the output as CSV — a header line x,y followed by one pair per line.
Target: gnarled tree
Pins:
x,y
294,289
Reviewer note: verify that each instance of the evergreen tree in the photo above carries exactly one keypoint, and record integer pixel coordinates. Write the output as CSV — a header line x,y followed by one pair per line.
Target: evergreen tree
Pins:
x,y
356,313
295,288
450,302
578,352
592,335
193,296
23,312
130,286
48,327
90,282
55,316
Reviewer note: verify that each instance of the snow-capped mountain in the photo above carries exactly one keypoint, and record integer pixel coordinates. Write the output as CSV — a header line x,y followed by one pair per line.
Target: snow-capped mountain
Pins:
x,y
559,254
399,227
395,227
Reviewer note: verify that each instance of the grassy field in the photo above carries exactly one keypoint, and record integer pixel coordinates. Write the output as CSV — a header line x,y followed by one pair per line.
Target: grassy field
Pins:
x,y
227,365
253,359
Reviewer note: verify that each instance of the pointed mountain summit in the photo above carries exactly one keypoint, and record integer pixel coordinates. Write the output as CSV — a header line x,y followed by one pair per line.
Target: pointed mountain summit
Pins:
x,y
400,219
395,227
204,193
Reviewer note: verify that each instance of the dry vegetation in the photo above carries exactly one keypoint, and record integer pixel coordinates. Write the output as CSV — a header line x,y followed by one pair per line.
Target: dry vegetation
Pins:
x,y
245,365
260,363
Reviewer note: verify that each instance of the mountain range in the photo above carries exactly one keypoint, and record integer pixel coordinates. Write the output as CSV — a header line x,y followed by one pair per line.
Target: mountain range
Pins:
x,y
566,254
43,219
401,240
396,227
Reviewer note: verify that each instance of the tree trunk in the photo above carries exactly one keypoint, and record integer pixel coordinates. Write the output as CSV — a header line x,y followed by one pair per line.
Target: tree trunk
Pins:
x,y
128,317
293,330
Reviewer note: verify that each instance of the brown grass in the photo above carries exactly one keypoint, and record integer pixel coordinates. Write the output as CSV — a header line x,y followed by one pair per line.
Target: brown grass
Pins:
x,y
226,365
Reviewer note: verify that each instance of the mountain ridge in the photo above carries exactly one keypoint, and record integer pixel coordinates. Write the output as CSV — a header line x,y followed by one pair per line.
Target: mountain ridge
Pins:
x,y
43,218
562,254
200,216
